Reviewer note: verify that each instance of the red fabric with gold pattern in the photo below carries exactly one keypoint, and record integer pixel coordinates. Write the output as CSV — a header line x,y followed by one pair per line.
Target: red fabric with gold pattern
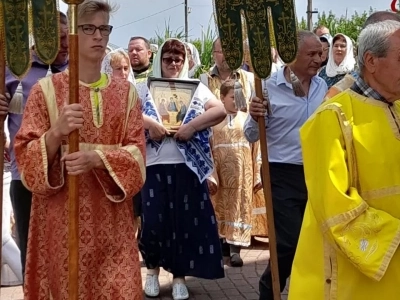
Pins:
x,y
108,255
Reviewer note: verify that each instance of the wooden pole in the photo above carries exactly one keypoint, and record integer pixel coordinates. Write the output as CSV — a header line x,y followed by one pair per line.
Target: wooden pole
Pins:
x,y
2,139
273,255
73,203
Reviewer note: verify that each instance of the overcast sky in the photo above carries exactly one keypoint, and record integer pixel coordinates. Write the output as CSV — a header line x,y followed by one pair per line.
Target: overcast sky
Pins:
x,y
146,17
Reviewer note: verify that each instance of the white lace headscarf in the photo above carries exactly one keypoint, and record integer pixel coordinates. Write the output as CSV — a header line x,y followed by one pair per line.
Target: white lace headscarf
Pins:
x,y
348,63
157,63
195,58
107,68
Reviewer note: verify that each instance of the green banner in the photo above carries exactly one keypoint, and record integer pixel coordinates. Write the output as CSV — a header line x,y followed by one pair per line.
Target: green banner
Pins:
x,y
262,17
46,29
15,18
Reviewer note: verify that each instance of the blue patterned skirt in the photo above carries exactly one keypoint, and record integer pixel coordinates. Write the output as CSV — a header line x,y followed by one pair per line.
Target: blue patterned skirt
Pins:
x,y
179,229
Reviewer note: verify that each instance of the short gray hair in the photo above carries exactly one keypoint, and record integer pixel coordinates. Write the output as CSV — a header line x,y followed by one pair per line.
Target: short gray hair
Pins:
x,y
380,16
375,38
302,35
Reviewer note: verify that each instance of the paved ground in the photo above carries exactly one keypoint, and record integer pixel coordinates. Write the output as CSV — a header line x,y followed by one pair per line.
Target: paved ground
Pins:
x,y
239,283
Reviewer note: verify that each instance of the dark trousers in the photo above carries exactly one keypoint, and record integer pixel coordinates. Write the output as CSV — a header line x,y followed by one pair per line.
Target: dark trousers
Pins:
x,y
289,198
137,205
21,199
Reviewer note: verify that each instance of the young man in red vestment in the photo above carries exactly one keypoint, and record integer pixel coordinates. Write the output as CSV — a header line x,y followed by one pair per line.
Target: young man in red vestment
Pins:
x,y
110,166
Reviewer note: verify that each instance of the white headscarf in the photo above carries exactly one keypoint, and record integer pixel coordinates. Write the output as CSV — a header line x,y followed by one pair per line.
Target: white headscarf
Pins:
x,y
348,63
106,65
157,63
195,58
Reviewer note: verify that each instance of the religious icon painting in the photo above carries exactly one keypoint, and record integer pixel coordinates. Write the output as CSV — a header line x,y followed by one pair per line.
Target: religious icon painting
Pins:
x,y
172,98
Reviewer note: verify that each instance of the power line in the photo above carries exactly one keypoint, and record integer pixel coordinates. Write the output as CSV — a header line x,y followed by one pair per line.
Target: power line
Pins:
x,y
149,16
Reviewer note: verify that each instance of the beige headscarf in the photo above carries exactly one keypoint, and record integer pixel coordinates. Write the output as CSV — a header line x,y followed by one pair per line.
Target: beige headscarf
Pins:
x,y
107,68
157,63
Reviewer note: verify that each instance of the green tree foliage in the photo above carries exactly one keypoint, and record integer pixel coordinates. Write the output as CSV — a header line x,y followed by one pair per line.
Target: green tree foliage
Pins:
x,y
167,33
348,25
203,44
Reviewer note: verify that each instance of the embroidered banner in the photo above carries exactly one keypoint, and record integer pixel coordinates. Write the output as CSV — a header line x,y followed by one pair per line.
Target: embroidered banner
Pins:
x,y
263,19
46,29
15,19
19,20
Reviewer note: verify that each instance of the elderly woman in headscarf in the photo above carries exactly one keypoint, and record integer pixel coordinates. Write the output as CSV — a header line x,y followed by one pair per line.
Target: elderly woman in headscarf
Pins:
x,y
117,64
326,40
179,229
193,58
341,60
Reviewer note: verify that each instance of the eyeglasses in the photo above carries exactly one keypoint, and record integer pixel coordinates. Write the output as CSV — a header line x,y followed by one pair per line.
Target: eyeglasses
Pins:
x,y
170,60
90,29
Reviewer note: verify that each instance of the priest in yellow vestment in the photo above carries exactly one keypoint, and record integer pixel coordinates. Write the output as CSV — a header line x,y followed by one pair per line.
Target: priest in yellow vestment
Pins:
x,y
348,247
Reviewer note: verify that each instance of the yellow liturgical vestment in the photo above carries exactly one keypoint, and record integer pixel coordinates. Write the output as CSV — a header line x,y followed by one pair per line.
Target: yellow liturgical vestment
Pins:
x,y
348,246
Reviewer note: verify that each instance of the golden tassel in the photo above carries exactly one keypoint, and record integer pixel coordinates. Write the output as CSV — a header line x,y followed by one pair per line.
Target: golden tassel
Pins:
x,y
49,72
16,105
296,85
239,98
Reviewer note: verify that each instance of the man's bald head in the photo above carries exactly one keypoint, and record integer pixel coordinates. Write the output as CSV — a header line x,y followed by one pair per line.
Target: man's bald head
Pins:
x,y
380,16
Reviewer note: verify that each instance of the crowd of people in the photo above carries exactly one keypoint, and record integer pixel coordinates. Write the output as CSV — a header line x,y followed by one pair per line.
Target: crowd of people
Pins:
x,y
186,197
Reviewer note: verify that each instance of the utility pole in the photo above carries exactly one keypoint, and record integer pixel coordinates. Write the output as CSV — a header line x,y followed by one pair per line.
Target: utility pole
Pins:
x,y
310,12
309,16
186,21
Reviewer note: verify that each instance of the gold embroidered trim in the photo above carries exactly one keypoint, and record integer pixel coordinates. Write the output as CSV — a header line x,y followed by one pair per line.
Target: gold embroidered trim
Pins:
x,y
113,176
344,217
132,100
327,270
51,104
259,211
137,155
46,165
330,270
380,193
92,147
50,97
388,256
97,108
347,131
